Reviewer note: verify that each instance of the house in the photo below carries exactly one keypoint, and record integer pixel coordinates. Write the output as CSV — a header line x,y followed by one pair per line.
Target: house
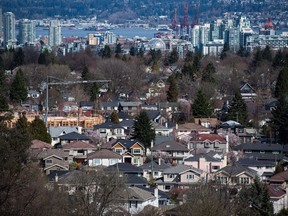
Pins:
x,y
175,151
235,175
280,179
109,131
207,122
278,197
33,94
132,151
187,128
69,106
72,137
78,151
38,144
52,159
179,176
86,105
264,168
161,130
261,148
156,89
154,169
247,92
209,165
103,157
109,106
58,131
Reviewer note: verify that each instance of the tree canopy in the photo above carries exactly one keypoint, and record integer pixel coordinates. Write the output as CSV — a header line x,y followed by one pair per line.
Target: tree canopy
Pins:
x,y
114,117
281,89
201,107
172,93
18,91
39,131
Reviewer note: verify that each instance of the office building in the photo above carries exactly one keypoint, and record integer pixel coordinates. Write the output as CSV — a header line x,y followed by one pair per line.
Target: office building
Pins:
x,y
9,30
55,36
27,32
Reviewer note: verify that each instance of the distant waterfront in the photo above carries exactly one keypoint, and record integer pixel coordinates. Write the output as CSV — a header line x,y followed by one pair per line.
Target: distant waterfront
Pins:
x,y
126,32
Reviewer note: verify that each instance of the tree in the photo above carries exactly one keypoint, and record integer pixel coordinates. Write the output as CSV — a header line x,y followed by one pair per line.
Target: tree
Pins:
x,y
114,117
238,110
39,130
226,48
143,130
106,52
118,49
42,59
257,58
172,93
133,51
281,89
255,200
94,93
201,107
173,57
189,56
267,54
196,63
279,59
85,73
208,73
18,58
279,120
3,103
188,69
18,90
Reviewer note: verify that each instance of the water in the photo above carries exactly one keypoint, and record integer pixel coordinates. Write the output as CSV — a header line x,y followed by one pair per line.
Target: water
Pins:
x,y
126,32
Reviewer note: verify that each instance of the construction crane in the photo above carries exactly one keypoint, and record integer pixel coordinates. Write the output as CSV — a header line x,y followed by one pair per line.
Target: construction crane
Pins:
x,y
196,16
65,82
174,22
185,22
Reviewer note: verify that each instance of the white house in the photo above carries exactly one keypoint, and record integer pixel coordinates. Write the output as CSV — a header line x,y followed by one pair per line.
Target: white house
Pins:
x,y
103,157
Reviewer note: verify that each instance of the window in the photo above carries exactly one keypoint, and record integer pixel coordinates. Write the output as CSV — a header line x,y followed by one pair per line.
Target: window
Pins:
x,y
206,144
240,130
262,152
216,145
244,180
167,187
102,130
275,152
170,176
156,173
234,180
49,161
180,153
222,179
96,162
215,167
118,131
135,160
118,150
136,151
190,176
113,161
248,151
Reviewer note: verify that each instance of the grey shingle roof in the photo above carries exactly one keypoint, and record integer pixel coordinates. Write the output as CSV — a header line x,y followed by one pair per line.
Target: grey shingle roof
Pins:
x,y
259,147
156,166
103,153
133,179
109,125
139,194
74,136
170,146
206,156
236,170
255,162
125,168
179,168
79,145
57,131
127,143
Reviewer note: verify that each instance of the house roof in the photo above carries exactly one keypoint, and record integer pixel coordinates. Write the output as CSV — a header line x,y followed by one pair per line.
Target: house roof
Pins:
x,y
236,170
153,114
79,145
51,176
86,103
254,162
259,147
50,152
170,146
180,168
103,153
280,177
275,191
109,125
125,168
127,143
205,156
74,136
109,144
156,166
192,126
38,144
139,194
213,121
57,131
127,123
130,103
110,104
133,179
208,137
260,156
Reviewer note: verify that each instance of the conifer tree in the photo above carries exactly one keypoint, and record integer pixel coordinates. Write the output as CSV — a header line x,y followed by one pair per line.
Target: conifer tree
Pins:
x,y
172,93
114,117
189,56
208,73
94,93
133,51
143,130
106,52
267,54
85,73
18,57
238,110
201,107
278,60
257,59
196,63
118,49
187,69
39,130
3,101
18,90
281,88
173,57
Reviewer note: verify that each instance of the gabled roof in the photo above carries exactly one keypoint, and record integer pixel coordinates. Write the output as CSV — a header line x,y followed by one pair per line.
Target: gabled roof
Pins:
x,y
74,136
276,191
63,166
38,144
79,145
153,114
280,177
129,103
108,125
208,138
192,126
205,156
170,146
237,170
181,168
127,143
125,168
156,166
57,131
138,194
133,179
103,154
49,152
259,147
254,162
86,103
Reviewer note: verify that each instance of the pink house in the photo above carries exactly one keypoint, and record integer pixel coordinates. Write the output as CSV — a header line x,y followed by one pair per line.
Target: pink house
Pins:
x,y
206,163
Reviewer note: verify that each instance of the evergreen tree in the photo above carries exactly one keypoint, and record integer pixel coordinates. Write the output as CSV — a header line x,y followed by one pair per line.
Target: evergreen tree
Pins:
x,y
114,117
267,54
257,59
155,55
124,57
279,59
238,110
208,73
189,56
226,48
42,59
18,90
94,93
201,106
85,73
22,126
196,63
106,52
255,200
141,52
242,52
143,130
18,57
155,66
133,51
3,103
173,57
187,69
281,88
279,120
172,93
118,49
39,130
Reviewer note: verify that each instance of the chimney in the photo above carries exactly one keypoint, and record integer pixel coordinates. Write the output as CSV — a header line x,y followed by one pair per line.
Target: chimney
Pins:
x,y
156,196
56,178
176,127
159,161
166,124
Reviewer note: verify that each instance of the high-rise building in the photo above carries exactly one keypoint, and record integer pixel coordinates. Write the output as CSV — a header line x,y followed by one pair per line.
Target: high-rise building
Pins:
x,y
9,30
1,23
27,32
55,37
